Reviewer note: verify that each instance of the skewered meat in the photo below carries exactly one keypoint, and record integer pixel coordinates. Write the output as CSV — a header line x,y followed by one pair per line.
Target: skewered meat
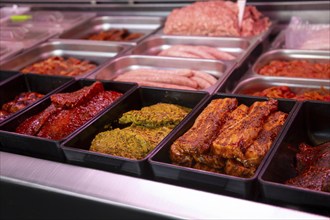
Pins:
x,y
215,18
313,167
148,127
68,112
203,52
197,140
229,139
60,66
21,101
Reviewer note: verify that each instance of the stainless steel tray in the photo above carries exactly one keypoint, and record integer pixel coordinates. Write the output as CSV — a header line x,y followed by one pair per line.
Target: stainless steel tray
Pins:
x,y
140,24
256,84
282,54
98,54
123,64
153,45
58,21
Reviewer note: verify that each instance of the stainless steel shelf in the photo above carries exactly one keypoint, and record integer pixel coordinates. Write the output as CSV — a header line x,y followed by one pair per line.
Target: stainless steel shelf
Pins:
x,y
132,193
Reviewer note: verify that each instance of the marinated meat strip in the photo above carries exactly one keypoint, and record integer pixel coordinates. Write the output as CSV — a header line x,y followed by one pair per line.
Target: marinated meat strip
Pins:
x,y
60,66
313,166
72,99
66,121
229,139
115,35
32,125
214,161
233,141
215,18
197,140
258,149
68,112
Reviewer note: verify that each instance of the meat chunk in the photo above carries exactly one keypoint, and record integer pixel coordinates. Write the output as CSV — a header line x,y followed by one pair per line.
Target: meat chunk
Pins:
x,y
313,166
215,18
197,140
258,149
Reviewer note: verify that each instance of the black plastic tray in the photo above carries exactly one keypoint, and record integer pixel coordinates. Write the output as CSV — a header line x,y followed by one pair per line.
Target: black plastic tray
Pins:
x,y
77,151
43,147
6,75
45,85
311,125
164,170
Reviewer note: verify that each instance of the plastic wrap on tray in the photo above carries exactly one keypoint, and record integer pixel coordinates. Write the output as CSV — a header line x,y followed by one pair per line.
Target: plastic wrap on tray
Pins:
x,y
57,21
303,35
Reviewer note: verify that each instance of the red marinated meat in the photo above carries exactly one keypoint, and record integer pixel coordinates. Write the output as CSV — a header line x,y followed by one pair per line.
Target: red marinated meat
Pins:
x,y
71,112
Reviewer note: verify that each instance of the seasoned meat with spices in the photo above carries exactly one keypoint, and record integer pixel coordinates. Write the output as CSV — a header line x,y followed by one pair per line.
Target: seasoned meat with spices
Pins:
x,y
197,140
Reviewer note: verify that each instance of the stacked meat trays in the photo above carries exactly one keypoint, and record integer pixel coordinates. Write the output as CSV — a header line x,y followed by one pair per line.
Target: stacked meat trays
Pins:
x,y
201,103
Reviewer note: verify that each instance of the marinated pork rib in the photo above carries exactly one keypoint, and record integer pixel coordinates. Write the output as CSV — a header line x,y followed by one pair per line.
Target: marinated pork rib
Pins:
x,y
197,140
256,152
313,166
214,161
68,112
235,140
229,139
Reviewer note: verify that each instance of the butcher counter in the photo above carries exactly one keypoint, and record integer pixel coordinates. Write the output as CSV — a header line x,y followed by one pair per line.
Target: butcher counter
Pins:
x,y
69,183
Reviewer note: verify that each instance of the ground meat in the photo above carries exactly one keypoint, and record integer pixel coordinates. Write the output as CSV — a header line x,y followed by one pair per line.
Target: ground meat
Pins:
x,y
296,68
215,18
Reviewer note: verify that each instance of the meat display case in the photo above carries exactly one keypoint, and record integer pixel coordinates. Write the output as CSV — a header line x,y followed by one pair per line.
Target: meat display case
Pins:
x,y
37,188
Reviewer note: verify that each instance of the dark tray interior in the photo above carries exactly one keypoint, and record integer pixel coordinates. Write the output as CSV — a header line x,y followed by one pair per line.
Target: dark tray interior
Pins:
x,y
42,147
77,151
6,75
30,83
311,126
218,183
